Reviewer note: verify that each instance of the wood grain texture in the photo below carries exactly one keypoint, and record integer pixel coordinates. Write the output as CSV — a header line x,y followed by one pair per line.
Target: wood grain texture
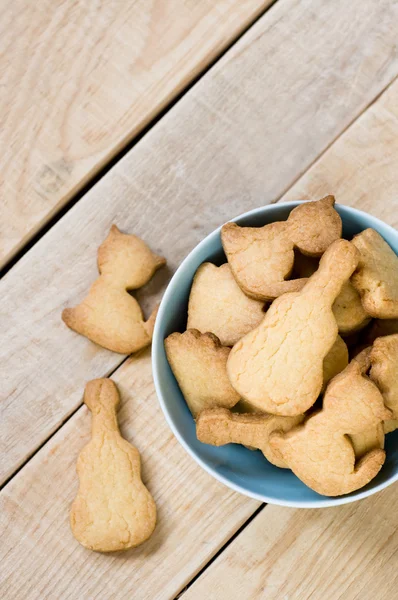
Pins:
x,y
80,79
326,554
39,557
360,169
239,138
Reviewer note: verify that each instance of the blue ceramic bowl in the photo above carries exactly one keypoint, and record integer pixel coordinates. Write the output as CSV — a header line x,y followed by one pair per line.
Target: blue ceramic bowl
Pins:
x,y
243,470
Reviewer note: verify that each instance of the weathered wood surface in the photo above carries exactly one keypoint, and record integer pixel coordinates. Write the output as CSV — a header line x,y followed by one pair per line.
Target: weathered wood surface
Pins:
x,y
40,559
323,554
80,79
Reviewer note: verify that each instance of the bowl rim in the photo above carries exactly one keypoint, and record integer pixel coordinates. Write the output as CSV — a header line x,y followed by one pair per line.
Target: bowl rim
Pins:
x,y
158,341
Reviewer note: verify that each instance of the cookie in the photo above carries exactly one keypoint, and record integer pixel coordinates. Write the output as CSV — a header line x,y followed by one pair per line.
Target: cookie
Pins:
x,y
261,258
219,426
347,308
384,372
278,367
335,361
390,425
376,278
199,364
109,315
319,452
368,440
113,509
218,305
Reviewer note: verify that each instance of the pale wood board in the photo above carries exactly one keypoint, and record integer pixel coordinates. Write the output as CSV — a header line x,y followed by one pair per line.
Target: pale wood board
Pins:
x,y
241,136
361,168
80,79
39,557
348,552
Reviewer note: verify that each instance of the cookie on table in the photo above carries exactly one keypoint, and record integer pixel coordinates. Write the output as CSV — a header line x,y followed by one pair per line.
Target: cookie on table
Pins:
x,y
262,258
109,315
113,510
218,305
376,278
199,364
278,367
319,452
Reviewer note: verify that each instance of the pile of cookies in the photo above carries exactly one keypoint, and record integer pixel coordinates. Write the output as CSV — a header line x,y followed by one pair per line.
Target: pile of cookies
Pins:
x,y
264,361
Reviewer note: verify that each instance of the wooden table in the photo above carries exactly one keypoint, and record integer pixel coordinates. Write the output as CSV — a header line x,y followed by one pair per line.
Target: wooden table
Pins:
x,y
168,117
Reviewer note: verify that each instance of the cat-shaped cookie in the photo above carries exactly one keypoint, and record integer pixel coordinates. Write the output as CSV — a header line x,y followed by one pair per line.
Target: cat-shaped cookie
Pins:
x,y
109,315
320,452
261,258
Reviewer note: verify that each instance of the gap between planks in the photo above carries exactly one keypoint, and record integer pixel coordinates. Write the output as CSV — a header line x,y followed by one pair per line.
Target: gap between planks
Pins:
x,y
327,148
102,170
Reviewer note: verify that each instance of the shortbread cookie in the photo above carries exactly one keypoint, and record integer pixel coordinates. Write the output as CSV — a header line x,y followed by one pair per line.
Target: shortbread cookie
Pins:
x,y
347,308
261,258
376,278
113,509
335,361
218,305
384,371
199,364
368,440
390,425
319,452
218,426
278,367
109,315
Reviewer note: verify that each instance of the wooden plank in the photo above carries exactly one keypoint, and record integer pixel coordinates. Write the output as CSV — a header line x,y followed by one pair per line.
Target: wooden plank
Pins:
x,y
80,80
343,552
39,557
325,554
235,141
360,169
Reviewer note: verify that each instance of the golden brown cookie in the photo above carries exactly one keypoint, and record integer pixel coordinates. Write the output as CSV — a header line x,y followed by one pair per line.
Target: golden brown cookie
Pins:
x,y
218,305
335,361
384,371
390,425
261,258
113,509
365,441
376,278
219,426
347,308
199,364
109,315
278,367
319,452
